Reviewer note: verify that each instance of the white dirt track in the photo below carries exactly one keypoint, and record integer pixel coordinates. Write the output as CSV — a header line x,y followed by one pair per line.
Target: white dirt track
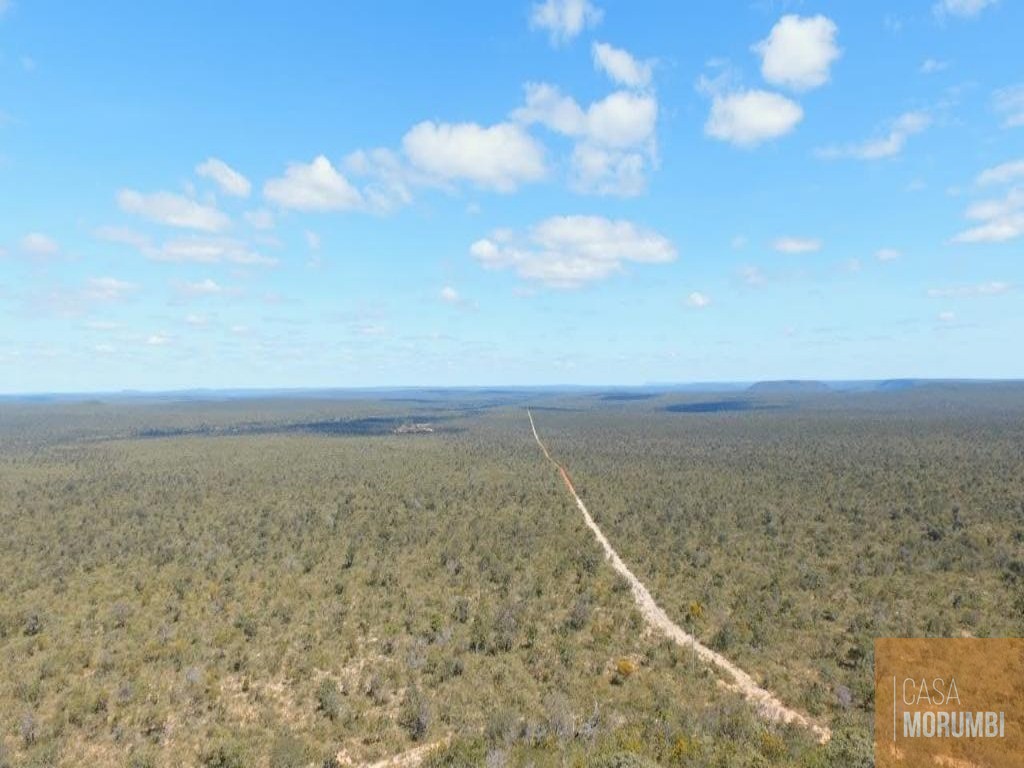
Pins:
x,y
767,704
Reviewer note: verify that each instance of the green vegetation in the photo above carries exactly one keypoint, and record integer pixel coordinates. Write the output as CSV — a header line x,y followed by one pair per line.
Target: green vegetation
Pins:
x,y
251,588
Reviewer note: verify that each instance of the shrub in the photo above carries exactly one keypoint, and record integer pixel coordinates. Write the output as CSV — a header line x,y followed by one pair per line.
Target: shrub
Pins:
x,y
225,754
328,699
624,669
415,714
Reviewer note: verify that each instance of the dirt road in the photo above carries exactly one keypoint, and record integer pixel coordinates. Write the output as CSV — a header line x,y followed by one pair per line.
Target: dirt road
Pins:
x,y
768,705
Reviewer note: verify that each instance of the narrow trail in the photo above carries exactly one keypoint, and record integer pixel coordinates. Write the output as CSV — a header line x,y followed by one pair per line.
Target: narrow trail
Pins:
x,y
767,704
411,757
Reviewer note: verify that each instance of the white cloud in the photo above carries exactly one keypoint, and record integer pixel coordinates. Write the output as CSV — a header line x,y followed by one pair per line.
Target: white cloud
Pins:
x,y
568,251
601,171
621,66
158,340
931,66
614,136
173,210
261,218
499,157
738,242
316,186
1009,102
902,128
1001,174
992,288
391,179
227,178
312,240
196,321
38,244
797,245
107,289
887,254
962,8
200,250
621,119
545,104
946,317
799,51
564,19
1002,219
747,118
698,300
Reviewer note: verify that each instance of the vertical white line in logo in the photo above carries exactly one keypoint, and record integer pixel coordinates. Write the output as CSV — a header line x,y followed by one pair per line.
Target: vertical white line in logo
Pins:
x,y
894,707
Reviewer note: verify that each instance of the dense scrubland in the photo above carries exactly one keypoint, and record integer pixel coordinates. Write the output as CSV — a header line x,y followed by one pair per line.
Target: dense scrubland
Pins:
x,y
287,582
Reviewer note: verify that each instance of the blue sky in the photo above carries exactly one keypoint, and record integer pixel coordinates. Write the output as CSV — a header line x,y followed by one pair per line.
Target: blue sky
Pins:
x,y
302,195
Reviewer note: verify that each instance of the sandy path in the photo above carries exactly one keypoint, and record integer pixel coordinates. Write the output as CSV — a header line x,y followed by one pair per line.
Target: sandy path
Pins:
x,y
768,705
409,758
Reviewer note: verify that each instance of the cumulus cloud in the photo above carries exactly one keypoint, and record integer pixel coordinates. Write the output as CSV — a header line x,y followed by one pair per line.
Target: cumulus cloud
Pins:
x,y
1002,173
390,178
614,136
173,210
799,52
992,288
602,171
316,186
887,254
621,119
1009,102
38,244
698,300
547,105
797,245
499,157
569,251
449,295
1001,219
961,8
748,118
224,176
892,143
621,66
564,19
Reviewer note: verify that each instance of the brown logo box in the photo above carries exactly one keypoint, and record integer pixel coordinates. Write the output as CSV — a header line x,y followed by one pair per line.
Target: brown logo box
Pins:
x,y
949,703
